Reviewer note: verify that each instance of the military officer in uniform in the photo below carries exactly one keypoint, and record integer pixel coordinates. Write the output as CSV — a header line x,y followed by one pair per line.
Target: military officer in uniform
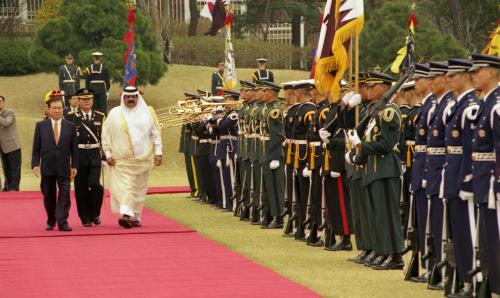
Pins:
x,y
436,158
460,211
186,149
88,189
423,81
273,157
382,173
218,80
485,181
262,73
98,79
69,79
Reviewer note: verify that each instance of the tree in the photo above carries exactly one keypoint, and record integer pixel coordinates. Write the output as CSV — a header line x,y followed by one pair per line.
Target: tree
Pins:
x,y
195,17
85,26
385,33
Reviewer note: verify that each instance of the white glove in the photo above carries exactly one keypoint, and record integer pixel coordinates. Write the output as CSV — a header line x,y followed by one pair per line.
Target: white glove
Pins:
x,y
347,97
228,162
348,158
403,168
62,92
274,164
306,173
219,163
207,117
465,195
210,129
424,183
335,174
354,100
354,138
325,136
107,94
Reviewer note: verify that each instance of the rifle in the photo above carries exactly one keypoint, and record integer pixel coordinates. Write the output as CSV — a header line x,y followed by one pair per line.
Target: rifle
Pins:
x,y
429,239
291,227
412,241
238,210
285,211
480,279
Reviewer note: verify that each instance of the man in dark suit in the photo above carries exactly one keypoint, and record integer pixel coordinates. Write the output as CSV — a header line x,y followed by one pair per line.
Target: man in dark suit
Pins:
x,y
10,148
55,156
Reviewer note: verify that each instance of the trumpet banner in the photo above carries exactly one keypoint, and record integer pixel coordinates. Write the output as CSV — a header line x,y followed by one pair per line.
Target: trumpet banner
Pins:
x,y
342,20
493,46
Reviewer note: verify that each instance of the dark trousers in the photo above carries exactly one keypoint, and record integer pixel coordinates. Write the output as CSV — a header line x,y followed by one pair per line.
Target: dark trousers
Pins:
x,y
461,216
212,182
489,228
189,161
338,205
224,187
202,172
361,215
11,164
302,185
274,187
437,226
422,203
386,220
89,193
100,103
289,176
56,206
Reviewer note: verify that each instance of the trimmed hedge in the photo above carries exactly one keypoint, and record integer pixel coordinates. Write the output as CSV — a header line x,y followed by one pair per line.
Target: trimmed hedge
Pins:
x,y
15,58
208,51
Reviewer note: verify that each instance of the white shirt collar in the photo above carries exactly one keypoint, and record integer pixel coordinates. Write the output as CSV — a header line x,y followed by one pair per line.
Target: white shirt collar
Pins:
x,y
85,114
442,96
58,122
459,98
426,97
489,93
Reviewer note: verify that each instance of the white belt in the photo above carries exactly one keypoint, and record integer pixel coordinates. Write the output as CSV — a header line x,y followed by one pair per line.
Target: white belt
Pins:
x,y
436,151
300,142
455,150
483,156
289,141
410,143
314,144
265,138
68,81
233,138
195,138
420,148
88,146
203,141
97,81
251,136
213,142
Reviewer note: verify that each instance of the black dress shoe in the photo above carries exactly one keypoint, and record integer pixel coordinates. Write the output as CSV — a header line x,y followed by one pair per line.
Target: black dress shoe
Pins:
x,y
368,259
394,262
275,225
424,278
65,228
318,243
436,287
342,245
464,293
125,222
376,262
87,224
49,227
97,221
289,235
362,255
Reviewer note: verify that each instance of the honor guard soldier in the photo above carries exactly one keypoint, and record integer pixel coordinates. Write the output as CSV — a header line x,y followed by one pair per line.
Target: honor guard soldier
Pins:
x,y
88,189
273,158
461,211
242,183
200,135
315,201
218,80
338,202
69,79
485,181
436,158
293,107
381,135
98,79
186,148
301,123
262,73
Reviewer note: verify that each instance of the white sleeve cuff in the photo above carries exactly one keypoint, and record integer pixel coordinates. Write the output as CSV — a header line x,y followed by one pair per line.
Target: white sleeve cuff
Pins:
x,y
158,149
107,153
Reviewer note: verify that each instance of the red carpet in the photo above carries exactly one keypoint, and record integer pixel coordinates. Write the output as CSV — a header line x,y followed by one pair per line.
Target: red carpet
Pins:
x,y
162,259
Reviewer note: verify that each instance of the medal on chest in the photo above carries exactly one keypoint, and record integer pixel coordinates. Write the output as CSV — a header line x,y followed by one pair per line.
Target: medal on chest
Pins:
x,y
421,132
455,133
435,132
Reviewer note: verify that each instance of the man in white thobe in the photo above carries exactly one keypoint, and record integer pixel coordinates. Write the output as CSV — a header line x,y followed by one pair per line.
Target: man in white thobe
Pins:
x,y
131,141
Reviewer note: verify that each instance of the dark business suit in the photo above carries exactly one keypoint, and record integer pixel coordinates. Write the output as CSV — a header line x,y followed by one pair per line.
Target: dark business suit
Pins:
x,y
55,162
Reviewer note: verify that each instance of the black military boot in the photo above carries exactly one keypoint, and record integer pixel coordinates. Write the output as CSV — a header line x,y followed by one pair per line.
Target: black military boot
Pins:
x,y
362,255
369,258
392,262
424,278
344,244
376,262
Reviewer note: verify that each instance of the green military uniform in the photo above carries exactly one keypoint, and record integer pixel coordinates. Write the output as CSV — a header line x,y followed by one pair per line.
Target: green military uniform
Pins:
x,y
184,148
254,155
217,83
241,157
248,155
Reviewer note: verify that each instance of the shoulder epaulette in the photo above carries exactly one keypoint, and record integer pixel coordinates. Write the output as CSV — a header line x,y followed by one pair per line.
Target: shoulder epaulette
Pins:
x,y
71,113
100,113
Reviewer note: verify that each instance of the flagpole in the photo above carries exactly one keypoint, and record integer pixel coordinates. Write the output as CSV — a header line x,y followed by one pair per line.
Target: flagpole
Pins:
x,y
356,73
351,49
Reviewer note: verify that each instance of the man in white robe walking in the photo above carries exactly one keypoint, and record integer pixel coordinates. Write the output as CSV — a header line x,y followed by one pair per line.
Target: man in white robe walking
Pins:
x,y
131,141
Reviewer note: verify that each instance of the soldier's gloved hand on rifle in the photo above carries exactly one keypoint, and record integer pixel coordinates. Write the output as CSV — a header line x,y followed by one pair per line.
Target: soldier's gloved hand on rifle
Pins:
x,y
347,97
354,138
306,173
335,174
274,164
348,158
62,92
465,195
219,163
354,100
325,136
107,95
228,161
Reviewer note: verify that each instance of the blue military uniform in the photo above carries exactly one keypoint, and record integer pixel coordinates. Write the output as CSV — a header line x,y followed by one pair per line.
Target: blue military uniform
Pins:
x,y
98,79
69,80
459,210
